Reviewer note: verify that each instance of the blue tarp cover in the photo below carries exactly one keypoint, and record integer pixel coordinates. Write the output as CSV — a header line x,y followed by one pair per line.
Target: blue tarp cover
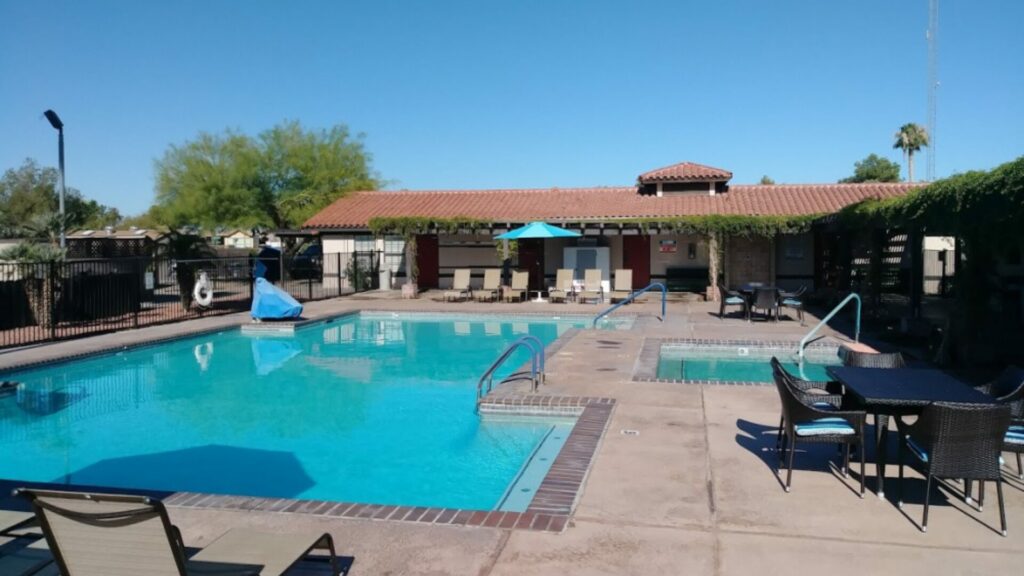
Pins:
x,y
270,302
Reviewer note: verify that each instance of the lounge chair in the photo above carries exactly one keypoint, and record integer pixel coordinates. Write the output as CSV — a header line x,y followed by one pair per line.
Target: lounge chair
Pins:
x,y
959,441
730,298
592,289
122,535
623,287
520,284
30,558
563,289
492,284
460,286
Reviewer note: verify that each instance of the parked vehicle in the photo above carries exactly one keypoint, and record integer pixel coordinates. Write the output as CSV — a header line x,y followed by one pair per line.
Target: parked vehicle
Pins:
x,y
308,262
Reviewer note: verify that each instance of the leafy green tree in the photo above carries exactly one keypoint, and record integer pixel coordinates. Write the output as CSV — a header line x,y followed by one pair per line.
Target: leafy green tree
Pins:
x,y
29,205
874,168
767,180
277,179
910,139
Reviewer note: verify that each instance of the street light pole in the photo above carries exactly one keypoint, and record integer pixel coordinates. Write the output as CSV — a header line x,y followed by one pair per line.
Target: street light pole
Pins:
x,y
59,126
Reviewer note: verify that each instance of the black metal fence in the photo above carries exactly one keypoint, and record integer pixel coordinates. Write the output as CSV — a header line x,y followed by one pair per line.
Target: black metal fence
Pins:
x,y
61,300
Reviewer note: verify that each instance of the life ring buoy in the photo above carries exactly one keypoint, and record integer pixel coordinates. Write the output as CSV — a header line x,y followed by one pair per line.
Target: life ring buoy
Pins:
x,y
202,292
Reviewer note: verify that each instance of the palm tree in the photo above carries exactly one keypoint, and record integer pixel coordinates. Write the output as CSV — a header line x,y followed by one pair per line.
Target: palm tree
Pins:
x,y
910,138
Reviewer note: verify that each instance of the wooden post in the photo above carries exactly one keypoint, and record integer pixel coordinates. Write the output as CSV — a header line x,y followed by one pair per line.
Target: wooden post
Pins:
x,y
713,262
723,248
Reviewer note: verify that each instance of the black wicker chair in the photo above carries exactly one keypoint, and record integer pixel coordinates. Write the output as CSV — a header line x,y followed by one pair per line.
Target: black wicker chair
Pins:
x,y
960,441
1008,388
766,299
804,422
873,360
820,395
792,300
730,298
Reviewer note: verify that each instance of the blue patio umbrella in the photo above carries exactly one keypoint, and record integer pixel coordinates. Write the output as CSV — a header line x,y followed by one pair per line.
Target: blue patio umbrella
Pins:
x,y
537,230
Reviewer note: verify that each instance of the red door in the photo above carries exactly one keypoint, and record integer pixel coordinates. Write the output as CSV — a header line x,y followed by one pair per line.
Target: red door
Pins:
x,y
531,259
427,260
636,256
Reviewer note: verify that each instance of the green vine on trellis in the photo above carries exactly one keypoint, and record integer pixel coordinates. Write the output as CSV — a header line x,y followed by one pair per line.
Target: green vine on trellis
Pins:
x,y
728,224
411,226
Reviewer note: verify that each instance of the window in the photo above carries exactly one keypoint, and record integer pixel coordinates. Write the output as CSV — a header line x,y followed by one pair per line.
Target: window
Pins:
x,y
792,247
365,244
394,253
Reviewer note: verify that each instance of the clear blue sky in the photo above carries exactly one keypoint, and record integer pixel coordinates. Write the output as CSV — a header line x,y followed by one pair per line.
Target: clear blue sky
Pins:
x,y
525,93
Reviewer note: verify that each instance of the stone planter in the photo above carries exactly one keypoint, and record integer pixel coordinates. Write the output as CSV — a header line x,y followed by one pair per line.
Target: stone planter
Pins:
x,y
410,291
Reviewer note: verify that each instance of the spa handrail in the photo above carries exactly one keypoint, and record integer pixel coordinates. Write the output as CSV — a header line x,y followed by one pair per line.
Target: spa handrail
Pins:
x,y
824,321
651,286
536,348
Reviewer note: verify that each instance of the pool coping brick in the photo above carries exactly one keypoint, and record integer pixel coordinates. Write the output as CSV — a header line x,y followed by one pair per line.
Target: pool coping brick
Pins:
x,y
552,505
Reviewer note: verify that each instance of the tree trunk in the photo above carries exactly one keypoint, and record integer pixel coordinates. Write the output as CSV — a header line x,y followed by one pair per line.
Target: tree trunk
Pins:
x,y
910,166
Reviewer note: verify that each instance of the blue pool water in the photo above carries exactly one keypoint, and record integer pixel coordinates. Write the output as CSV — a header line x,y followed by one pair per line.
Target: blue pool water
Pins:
x,y
374,408
719,363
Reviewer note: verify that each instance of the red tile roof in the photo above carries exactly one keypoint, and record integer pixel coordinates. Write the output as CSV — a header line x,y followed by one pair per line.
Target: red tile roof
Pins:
x,y
589,204
684,172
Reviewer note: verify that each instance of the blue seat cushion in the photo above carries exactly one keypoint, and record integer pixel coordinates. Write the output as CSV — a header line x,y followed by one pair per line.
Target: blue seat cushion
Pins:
x,y
917,450
735,300
824,406
824,427
791,302
1015,435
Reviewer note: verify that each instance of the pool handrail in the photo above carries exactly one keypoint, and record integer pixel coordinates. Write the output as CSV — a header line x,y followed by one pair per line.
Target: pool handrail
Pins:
x,y
651,286
536,348
824,321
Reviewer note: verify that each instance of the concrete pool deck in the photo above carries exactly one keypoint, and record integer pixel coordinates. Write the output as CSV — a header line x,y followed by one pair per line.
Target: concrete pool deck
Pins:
x,y
693,492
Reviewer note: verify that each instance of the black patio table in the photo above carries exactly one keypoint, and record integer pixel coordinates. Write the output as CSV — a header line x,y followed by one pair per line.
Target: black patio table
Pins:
x,y
897,392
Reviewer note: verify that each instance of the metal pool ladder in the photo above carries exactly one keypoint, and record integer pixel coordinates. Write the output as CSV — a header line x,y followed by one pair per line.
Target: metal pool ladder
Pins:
x,y
824,321
652,286
536,348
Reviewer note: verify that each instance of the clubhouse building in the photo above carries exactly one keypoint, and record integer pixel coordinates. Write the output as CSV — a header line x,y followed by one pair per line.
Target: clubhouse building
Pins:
x,y
636,227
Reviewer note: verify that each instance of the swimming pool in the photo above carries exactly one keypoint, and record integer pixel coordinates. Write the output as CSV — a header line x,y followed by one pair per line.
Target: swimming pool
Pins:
x,y
709,362
372,408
